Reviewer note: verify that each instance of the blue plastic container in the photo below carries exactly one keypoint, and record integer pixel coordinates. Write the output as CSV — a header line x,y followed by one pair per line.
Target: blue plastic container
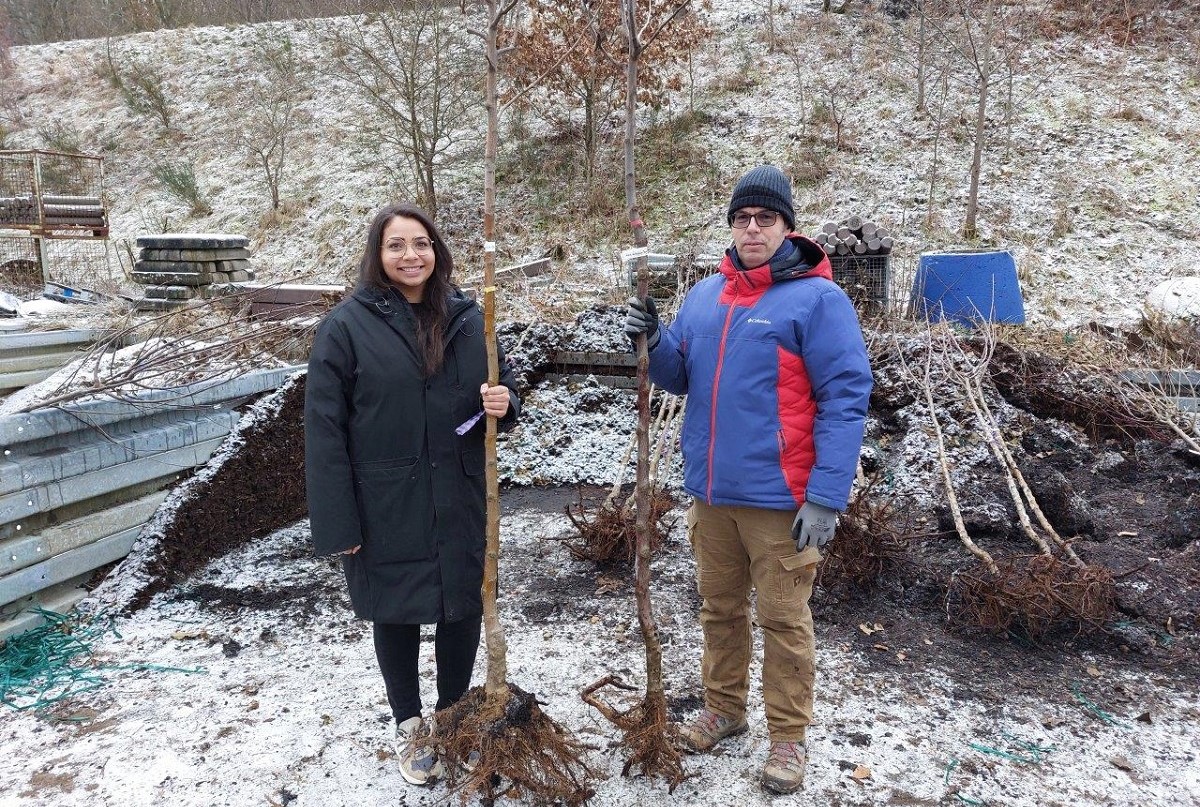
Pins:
x,y
968,288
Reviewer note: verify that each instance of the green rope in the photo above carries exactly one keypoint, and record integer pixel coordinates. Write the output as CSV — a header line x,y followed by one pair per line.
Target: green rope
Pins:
x,y
53,662
1093,708
996,752
1038,752
1033,754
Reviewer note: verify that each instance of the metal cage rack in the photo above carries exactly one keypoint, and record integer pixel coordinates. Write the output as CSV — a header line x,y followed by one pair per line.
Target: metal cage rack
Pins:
x,y
52,194
864,277
28,262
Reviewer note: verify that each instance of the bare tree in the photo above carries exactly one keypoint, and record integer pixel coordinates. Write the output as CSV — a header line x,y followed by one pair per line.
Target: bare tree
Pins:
x,y
977,45
412,68
269,111
981,52
575,54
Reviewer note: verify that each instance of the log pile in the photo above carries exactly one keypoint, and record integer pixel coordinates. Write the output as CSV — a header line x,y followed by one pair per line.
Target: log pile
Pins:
x,y
16,210
178,267
854,236
859,253
58,212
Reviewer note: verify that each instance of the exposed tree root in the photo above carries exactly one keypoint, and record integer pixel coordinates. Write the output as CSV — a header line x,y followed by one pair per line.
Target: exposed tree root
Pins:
x,y
522,752
867,545
1093,398
608,536
1033,596
649,739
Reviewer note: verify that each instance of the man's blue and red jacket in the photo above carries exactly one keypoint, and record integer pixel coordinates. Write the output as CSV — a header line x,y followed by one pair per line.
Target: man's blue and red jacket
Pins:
x,y
777,379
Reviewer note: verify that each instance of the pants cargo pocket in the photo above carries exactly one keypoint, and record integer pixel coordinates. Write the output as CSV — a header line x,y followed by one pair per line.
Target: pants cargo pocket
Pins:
x,y
787,600
719,570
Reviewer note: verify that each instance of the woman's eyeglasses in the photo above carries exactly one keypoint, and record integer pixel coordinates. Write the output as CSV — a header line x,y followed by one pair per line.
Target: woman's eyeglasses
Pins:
x,y
401,246
765,218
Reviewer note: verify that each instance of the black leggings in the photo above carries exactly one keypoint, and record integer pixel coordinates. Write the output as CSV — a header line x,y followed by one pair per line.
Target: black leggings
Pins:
x,y
397,648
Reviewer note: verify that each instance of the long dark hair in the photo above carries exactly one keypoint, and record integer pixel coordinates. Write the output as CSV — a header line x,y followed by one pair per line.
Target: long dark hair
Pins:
x,y
431,315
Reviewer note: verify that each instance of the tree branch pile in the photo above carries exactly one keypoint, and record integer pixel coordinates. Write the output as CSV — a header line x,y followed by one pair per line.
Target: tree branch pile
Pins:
x,y
1094,398
1052,590
609,537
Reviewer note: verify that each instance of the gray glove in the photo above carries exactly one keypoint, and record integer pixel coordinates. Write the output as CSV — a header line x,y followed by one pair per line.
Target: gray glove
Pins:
x,y
814,525
642,318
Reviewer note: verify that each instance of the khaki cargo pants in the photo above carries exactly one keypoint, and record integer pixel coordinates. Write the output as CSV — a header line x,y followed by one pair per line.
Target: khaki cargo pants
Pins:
x,y
738,548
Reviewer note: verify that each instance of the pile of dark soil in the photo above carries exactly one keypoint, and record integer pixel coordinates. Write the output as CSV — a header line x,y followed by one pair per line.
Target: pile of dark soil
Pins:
x,y
257,489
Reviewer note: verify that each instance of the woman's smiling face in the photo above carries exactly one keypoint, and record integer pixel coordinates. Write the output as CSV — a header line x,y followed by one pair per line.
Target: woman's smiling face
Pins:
x,y
407,256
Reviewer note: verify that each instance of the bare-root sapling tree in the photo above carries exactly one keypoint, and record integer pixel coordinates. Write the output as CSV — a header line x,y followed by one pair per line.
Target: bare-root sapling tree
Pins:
x,y
515,748
648,741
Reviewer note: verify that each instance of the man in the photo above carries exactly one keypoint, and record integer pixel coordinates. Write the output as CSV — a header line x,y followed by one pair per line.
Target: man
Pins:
x,y
771,356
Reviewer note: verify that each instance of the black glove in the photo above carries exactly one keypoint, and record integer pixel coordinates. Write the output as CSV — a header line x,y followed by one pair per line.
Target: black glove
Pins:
x,y
642,318
814,526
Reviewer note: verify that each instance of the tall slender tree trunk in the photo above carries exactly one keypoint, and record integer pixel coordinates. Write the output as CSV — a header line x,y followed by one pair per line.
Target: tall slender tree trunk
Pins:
x,y
589,135
654,679
922,54
984,66
497,648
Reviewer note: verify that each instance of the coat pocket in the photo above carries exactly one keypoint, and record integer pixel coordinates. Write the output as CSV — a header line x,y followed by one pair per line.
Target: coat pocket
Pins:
x,y
385,469
473,460
395,510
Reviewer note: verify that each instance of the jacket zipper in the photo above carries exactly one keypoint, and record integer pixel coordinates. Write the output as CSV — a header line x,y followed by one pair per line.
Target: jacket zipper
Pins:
x,y
712,418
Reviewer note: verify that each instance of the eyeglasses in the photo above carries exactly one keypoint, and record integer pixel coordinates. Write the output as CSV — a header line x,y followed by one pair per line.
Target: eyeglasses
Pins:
x,y
399,245
765,218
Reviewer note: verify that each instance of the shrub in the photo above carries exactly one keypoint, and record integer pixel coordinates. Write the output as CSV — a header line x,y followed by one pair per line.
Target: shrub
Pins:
x,y
179,180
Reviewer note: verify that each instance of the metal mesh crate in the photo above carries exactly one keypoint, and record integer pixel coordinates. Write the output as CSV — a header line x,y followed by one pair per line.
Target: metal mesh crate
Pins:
x,y
53,194
27,262
672,275
78,262
864,277
20,265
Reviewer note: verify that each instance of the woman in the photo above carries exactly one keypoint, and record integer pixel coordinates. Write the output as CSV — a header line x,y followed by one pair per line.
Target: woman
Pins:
x,y
397,371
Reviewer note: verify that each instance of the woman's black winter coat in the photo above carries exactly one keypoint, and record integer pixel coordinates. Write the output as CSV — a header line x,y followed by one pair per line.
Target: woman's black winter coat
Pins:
x,y
384,466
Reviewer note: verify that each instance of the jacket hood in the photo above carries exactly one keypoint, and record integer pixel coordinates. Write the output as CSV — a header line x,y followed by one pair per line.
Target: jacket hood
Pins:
x,y
808,260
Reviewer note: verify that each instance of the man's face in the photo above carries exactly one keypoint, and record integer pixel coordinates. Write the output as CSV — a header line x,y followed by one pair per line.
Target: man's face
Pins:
x,y
755,244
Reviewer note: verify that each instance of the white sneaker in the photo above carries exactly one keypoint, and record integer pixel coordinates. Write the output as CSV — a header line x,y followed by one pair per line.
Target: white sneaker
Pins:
x,y
418,765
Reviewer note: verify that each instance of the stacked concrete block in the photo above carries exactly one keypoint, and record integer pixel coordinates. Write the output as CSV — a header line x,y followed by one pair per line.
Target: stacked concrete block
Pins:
x,y
178,267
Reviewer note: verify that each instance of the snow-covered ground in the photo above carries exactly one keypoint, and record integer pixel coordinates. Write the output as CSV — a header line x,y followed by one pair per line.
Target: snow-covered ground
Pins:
x,y
278,701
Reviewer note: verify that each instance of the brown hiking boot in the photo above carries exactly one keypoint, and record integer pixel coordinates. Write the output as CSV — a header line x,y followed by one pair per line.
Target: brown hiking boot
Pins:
x,y
708,728
784,771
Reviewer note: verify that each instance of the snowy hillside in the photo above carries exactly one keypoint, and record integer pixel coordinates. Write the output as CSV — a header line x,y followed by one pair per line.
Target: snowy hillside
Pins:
x,y
1088,180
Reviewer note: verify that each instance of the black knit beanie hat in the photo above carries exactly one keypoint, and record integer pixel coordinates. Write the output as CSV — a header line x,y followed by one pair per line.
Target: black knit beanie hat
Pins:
x,y
764,186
